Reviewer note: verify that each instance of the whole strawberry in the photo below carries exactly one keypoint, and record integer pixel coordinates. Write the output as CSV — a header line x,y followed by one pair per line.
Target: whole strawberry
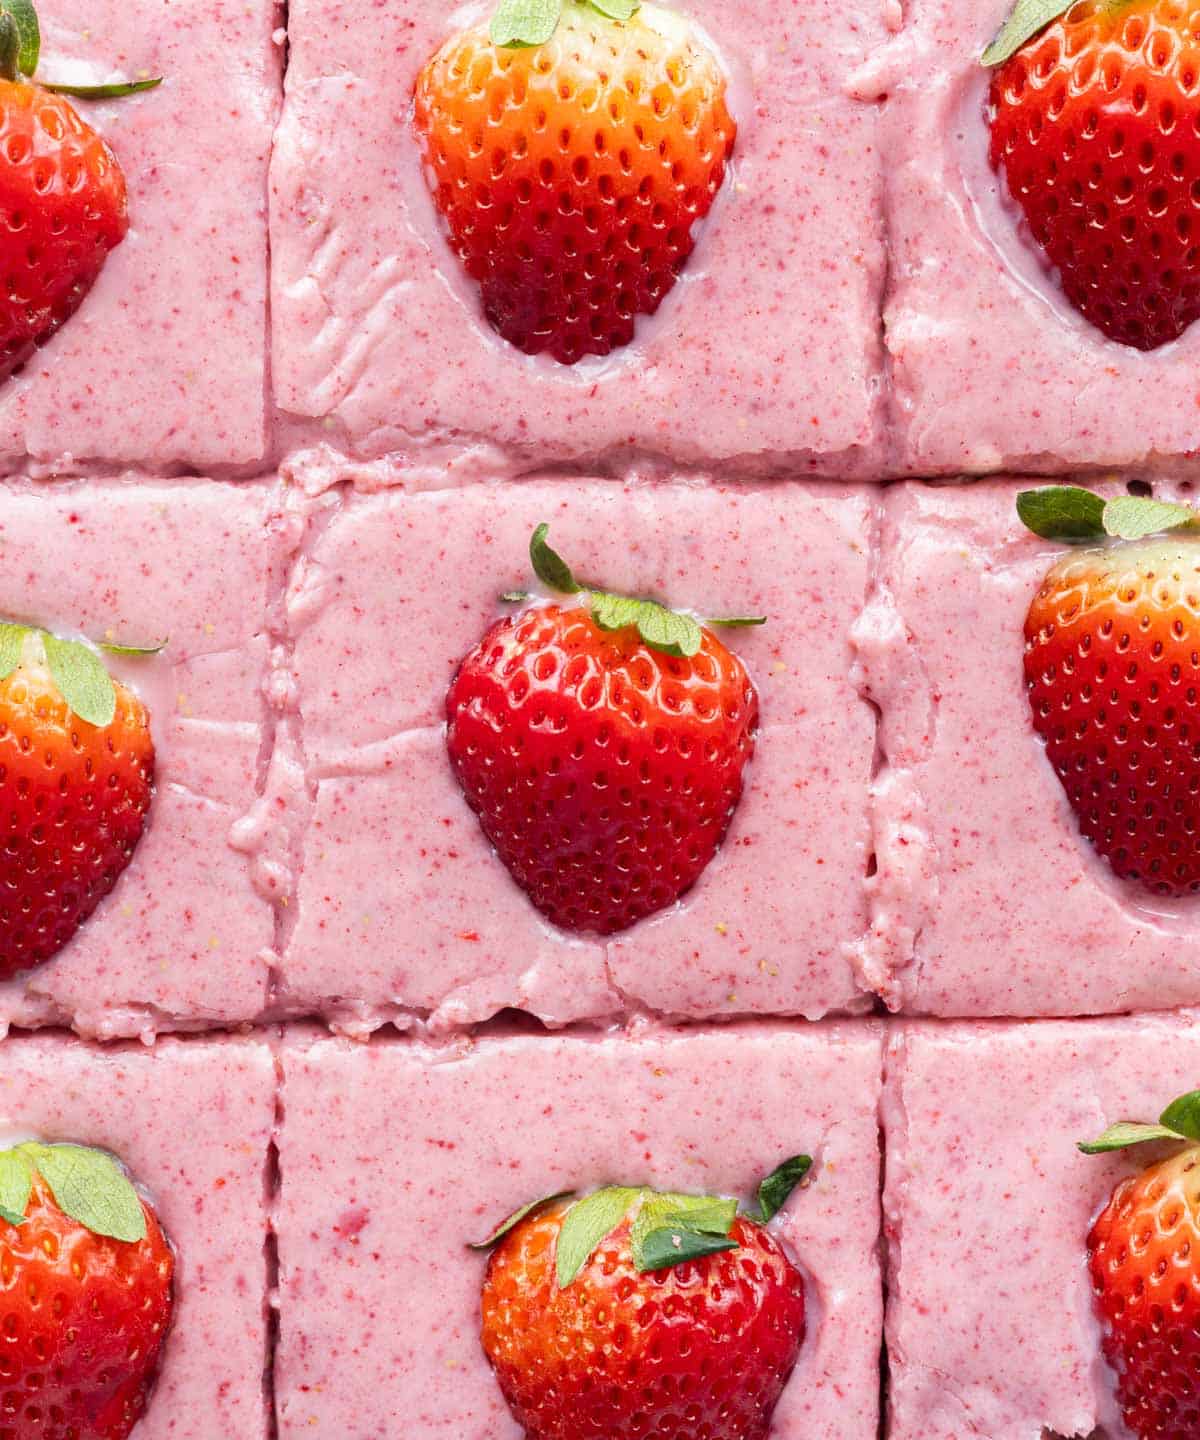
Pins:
x,y
62,193
633,1314
602,746
76,777
1094,127
571,150
1111,641
1144,1263
86,1278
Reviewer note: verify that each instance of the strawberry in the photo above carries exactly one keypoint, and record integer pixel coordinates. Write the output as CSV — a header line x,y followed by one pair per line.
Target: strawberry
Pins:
x,y
1112,667
571,149
86,1278
76,773
1095,126
1144,1263
62,193
634,1314
602,747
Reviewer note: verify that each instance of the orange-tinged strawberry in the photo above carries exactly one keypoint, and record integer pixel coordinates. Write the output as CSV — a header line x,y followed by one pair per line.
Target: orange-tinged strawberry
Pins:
x,y
1144,1263
1094,125
1112,668
63,202
74,791
602,747
638,1315
572,173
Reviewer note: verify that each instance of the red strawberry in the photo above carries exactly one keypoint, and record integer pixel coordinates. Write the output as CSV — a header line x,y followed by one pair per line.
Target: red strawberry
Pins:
x,y
62,196
602,747
571,156
1112,666
86,1283
1144,1262
76,773
1094,124
634,1314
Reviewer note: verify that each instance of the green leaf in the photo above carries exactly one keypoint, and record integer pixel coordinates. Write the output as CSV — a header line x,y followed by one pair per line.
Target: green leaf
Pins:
x,y
617,9
549,566
615,612
16,1181
738,622
89,1186
520,23
79,673
1118,1137
1062,512
29,35
704,1214
514,597
667,630
586,1224
1133,517
672,1246
115,90
1183,1115
112,648
12,647
1025,19
775,1189
510,1222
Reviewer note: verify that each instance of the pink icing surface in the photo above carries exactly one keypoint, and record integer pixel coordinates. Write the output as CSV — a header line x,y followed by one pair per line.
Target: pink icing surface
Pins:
x,y
987,900
165,364
183,938
767,351
503,1120
988,1203
192,1121
395,872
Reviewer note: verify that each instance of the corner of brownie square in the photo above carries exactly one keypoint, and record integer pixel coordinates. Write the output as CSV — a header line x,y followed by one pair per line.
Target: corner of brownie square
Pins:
x,y
765,355
404,911
504,1120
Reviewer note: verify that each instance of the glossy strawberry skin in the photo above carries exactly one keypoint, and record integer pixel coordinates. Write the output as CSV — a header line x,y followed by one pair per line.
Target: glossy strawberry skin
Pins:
x,y
700,1351
1094,125
73,803
604,772
84,1320
1144,1262
1112,666
63,208
571,175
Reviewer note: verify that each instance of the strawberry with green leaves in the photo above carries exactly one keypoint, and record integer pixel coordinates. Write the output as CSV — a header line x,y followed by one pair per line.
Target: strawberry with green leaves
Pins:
x,y
1095,126
1144,1263
86,1286
76,779
1112,670
572,148
602,744
637,1315
62,192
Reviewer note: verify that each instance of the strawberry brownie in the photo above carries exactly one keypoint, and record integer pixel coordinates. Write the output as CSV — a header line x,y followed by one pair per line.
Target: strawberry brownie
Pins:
x,y
988,1207
183,940
993,366
163,366
191,1120
988,899
403,909
765,353
494,1123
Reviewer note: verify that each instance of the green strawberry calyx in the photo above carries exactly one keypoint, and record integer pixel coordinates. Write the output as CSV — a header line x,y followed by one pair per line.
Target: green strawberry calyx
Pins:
x,y
1179,1121
75,667
671,631
519,24
1026,19
21,48
90,1186
668,1229
1074,515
